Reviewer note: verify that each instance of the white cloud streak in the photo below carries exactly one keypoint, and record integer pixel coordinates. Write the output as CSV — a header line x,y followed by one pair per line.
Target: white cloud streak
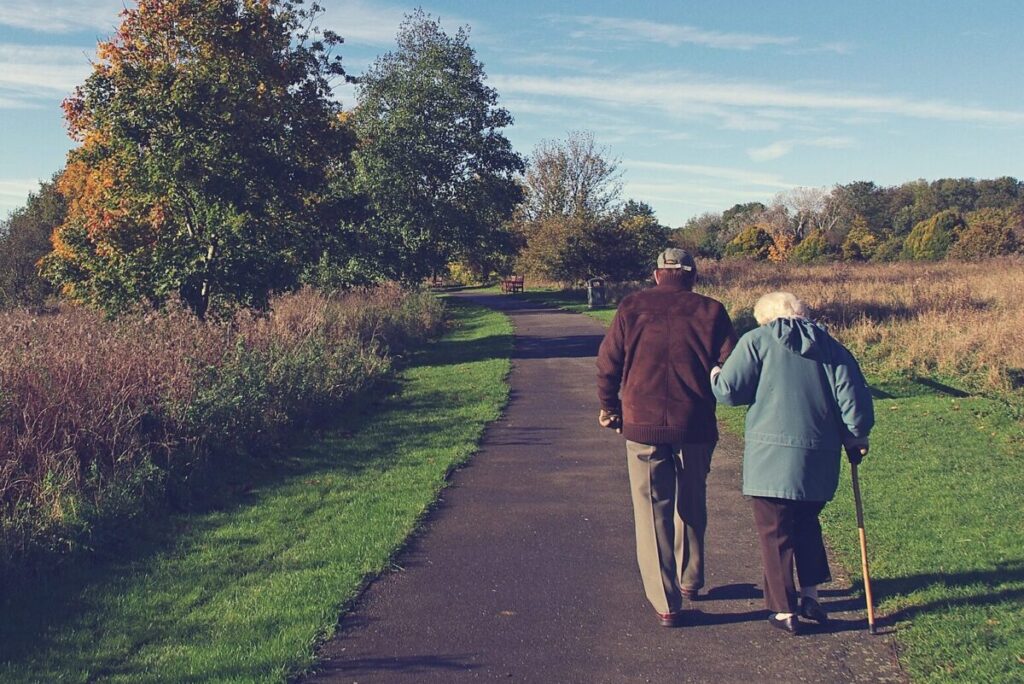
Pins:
x,y
14,192
633,30
61,16
32,72
781,148
685,96
742,176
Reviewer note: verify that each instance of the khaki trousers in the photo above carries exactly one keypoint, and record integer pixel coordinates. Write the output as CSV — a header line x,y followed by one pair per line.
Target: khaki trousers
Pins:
x,y
668,484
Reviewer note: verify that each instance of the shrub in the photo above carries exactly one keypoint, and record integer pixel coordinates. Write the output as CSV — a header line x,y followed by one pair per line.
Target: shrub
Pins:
x,y
98,416
989,233
812,249
931,239
754,242
860,243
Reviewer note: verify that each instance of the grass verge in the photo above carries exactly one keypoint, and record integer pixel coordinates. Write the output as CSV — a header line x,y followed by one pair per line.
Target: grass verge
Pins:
x,y
247,591
943,492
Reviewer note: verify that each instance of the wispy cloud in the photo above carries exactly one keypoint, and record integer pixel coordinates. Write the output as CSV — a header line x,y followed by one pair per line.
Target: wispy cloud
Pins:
x,y
32,72
633,30
736,175
373,23
781,148
61,16
685,95
14,192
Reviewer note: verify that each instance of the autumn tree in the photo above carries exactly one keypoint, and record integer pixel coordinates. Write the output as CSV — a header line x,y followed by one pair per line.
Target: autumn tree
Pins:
x,y
433,160
989,233
208,139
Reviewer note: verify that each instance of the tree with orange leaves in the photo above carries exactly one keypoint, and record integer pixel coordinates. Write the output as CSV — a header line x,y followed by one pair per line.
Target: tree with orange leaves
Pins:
x,y
209,140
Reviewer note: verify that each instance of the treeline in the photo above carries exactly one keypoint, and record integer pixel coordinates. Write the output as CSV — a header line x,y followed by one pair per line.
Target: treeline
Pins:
x,y
215,167
960,218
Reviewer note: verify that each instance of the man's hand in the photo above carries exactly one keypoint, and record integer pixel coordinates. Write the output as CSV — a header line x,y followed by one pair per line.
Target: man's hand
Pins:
x,y
856,449
610,419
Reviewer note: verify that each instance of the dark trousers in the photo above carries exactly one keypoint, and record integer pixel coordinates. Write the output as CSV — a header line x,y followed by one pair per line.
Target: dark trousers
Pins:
x,y
789,532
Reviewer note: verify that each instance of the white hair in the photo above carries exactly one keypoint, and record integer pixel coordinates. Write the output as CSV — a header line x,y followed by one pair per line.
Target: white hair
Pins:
x,y
778,305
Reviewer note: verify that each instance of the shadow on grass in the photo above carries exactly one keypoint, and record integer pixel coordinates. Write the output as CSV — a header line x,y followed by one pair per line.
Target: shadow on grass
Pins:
x,y
37,605
975,588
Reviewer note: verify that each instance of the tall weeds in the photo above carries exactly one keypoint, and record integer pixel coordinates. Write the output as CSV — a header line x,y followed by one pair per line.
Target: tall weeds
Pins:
x,y
96,416
951,318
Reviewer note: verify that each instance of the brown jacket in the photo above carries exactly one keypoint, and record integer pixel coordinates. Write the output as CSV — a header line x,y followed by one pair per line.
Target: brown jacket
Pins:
x,y
659,351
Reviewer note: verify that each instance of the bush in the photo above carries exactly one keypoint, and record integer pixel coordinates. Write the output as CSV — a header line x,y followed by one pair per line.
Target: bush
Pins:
x,y
931,239
754,243
98,416
989,233
811,250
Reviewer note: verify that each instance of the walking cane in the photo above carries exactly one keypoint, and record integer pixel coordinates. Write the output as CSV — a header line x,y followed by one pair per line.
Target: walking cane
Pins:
x,y
863,548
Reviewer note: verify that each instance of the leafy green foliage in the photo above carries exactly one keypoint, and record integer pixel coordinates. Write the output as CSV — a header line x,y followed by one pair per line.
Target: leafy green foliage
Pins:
x,y
24,240
753,243
811,250
432,161
208,142
860,243
989,233
931,239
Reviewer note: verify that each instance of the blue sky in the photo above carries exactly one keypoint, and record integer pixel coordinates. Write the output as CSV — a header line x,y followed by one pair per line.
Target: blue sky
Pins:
x,y
706,104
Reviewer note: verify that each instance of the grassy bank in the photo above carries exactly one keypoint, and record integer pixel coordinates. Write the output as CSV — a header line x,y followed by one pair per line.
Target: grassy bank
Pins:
x,y
246,591
104,421
943,485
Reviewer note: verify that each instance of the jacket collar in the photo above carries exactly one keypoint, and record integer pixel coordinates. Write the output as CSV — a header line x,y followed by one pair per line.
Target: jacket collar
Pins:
x,y
671,287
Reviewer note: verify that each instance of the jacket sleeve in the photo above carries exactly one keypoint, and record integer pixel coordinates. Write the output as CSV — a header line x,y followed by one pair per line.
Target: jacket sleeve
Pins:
x,y
856,408
736,385
725,337
610,359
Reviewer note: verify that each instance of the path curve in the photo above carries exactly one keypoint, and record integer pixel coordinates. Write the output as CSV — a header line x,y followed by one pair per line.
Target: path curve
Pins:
x,y
526,569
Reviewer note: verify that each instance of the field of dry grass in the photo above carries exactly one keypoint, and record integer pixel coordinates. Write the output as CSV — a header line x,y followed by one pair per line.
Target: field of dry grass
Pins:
x,y
952,319
95,414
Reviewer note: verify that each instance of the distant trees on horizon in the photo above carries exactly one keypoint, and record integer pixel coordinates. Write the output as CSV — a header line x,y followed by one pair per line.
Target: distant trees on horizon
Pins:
x,y
961,218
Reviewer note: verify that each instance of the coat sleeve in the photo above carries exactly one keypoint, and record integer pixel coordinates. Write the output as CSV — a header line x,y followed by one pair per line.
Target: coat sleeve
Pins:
x,y
610,359
725,337
856,408
736,385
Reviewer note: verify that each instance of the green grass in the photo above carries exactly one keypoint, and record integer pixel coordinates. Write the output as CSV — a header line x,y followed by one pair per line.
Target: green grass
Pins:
x,y
943,491
247,591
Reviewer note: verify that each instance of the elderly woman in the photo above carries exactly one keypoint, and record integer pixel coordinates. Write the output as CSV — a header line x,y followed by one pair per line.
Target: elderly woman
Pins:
x,y
807,399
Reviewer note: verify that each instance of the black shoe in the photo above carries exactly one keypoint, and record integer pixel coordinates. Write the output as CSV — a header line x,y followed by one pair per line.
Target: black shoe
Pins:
x,y
673,619
812,610
790,624
691,594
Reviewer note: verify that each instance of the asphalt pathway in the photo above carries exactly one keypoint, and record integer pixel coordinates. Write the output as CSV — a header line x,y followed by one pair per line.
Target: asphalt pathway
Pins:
x,y
526,570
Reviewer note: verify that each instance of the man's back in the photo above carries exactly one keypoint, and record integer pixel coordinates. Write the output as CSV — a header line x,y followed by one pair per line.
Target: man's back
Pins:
x,y
660,349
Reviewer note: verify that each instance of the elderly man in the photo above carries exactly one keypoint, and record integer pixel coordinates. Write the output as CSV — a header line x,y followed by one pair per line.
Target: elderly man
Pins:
x,y
659,352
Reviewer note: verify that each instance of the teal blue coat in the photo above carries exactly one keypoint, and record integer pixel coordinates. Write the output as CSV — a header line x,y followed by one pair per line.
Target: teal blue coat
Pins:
x,y
806,395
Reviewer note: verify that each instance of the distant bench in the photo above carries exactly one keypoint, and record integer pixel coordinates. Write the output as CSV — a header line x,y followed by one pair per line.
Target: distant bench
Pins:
x,y
512,283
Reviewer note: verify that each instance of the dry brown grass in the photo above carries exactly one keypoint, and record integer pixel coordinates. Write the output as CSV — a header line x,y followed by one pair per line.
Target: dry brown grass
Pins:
x,y
93,413
963,320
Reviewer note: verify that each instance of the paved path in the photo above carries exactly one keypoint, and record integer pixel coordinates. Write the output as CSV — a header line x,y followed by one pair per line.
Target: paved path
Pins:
x,y
526,571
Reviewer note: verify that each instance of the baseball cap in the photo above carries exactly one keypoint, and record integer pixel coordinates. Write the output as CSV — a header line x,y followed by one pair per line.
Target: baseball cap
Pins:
x,y
676,258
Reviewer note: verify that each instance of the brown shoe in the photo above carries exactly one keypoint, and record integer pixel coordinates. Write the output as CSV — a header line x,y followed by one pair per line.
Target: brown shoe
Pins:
x,y
673,619
691,594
